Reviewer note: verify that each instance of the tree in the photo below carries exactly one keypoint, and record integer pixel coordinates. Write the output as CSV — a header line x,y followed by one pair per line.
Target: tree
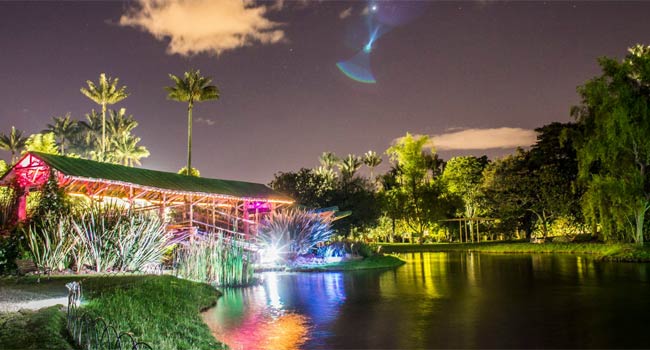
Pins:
x,y
613,148
423,200
126,150
88,141
193,87
305,186
14,142
328,160
105,93
194,172
64,129
349,166
372,160
43,143
463,176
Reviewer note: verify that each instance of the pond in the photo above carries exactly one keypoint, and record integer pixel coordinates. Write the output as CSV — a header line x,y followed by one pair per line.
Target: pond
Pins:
x,y
444,300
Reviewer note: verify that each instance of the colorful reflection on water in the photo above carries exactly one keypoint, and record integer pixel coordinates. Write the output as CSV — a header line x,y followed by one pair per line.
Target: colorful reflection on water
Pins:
x,y
444,300
266,317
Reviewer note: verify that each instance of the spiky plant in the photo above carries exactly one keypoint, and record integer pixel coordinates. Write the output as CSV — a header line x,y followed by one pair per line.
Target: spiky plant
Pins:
x,y
328,160
64,129
214,259
295,230
50,243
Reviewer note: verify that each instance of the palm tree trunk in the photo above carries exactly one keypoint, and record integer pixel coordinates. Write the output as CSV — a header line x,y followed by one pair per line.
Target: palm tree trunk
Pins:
x,y
189,139
103,155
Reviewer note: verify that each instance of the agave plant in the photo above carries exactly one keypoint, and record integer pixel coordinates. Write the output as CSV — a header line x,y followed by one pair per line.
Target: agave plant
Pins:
x,y
50,243
295,231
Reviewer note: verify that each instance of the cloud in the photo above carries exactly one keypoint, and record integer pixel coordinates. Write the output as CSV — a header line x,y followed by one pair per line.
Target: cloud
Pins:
x,y
205,26
492,138
365,11
345,13
207,121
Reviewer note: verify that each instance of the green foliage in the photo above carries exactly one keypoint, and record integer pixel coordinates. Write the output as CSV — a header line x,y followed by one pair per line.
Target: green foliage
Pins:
x,y
193,87
111,238
372,160
193,172
162,311
44,143
14,142
9,252
105,93
213,259
413,191
100,237
295,231
42,329
613,146
306,187
50,242
349,166
64,129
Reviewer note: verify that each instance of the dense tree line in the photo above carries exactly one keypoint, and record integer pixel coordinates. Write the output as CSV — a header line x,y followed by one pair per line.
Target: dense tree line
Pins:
x,y
591,176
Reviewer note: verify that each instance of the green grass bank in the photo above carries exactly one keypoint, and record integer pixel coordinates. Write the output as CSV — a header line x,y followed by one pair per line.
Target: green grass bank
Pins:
x,y
609,252
373,262
163,311
26,329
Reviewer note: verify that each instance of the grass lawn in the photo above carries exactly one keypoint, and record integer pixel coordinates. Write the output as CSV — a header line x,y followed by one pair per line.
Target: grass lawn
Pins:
x,y
611,252
373,262
161,310
42,329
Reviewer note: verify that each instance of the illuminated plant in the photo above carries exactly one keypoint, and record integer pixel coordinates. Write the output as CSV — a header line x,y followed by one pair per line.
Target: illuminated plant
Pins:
x,y
214,259
295,231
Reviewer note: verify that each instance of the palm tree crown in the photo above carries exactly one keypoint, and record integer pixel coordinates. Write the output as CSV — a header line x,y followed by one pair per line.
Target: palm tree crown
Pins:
x,y
328,160
193,87
106,92
64,129
349,166
14,142
372,160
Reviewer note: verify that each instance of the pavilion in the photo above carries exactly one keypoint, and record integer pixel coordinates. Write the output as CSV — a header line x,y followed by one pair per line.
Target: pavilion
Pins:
x,y
187,203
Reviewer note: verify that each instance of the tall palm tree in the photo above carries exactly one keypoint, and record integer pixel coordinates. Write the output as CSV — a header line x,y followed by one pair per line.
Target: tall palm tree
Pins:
x,y
119,123
126,150
328,160
349,166
105,93
64,129
193,87
92,132
14,142
372,160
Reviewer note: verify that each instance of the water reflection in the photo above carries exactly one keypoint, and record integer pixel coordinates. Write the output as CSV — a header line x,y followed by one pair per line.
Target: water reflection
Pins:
x,y
444,300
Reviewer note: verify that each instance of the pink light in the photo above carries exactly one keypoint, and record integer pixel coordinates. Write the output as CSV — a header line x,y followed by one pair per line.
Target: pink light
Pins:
x,y
31,172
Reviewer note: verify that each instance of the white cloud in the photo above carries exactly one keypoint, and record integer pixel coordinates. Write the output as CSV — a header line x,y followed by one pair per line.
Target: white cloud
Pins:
x,y
207,121
492,138
205,26
345,13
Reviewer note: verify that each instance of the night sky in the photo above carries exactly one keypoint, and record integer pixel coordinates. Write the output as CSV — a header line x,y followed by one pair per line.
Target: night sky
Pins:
x,y
443,68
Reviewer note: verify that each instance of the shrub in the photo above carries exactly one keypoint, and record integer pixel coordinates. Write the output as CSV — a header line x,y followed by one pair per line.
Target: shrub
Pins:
x,y
296,231
50,242
214,259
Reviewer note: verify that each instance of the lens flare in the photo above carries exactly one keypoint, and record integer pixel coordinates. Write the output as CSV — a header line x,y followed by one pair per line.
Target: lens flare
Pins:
x,y
357,68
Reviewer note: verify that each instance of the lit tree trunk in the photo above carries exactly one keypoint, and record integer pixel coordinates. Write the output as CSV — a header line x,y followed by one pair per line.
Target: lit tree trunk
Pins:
x,y
102,157
189,139
640,218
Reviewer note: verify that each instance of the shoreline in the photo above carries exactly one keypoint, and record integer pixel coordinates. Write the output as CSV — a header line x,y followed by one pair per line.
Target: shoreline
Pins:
x,y
370,263
602,251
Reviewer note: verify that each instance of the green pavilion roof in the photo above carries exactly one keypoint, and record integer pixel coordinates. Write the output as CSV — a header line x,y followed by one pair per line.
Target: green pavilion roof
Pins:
x,y
88,169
